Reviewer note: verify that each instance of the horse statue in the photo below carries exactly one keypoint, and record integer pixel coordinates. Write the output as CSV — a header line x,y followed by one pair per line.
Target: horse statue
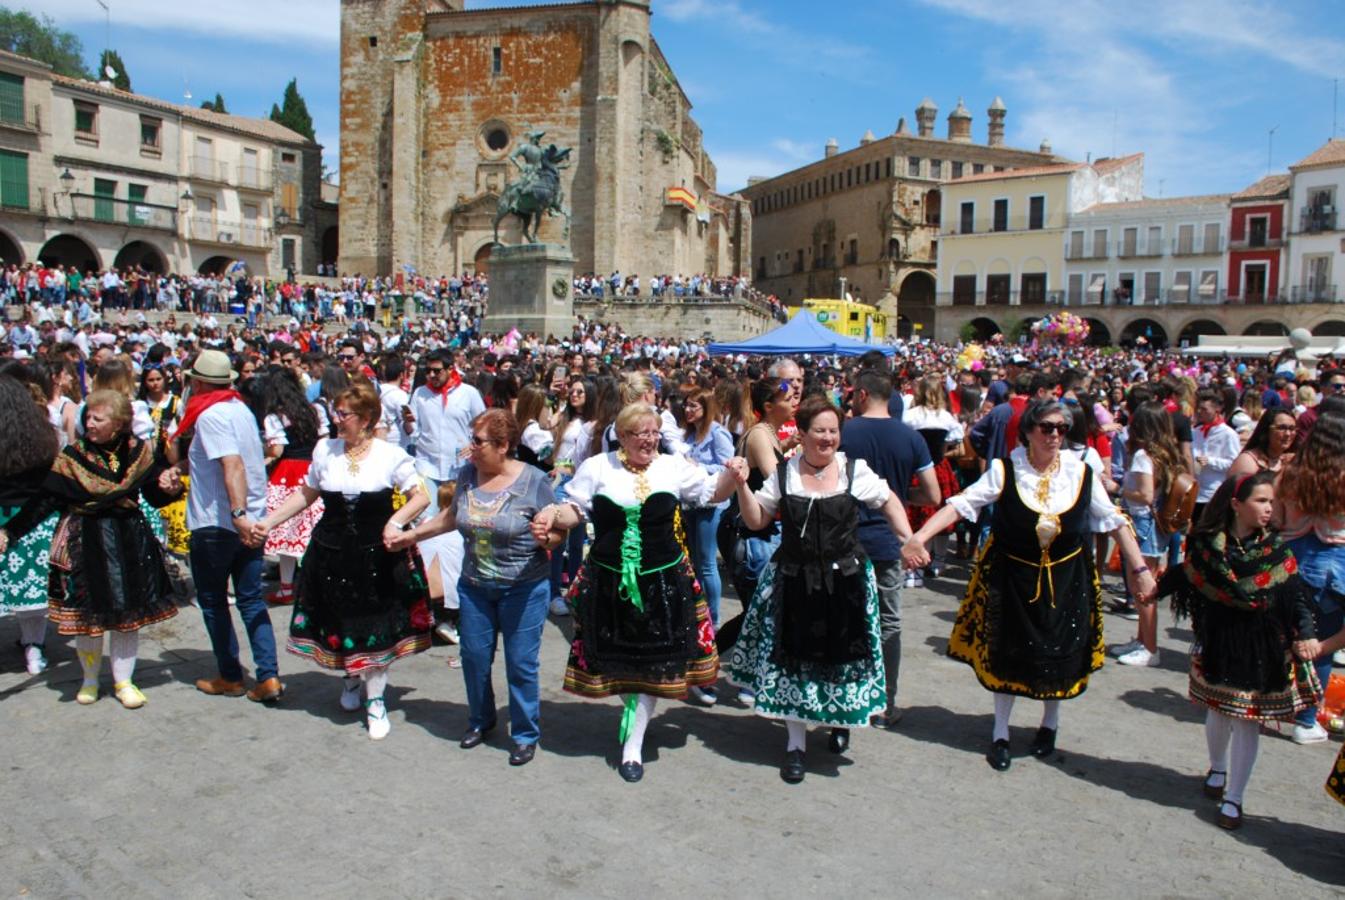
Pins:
x,y
537,192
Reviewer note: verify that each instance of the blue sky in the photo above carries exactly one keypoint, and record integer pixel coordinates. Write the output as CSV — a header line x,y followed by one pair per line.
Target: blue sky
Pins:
x,y
1194,84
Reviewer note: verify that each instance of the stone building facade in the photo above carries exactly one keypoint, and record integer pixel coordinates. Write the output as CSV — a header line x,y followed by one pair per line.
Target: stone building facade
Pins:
x,y
871,215
435,99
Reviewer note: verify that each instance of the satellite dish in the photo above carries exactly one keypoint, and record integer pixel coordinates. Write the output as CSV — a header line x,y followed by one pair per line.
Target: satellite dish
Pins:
x,y
109,72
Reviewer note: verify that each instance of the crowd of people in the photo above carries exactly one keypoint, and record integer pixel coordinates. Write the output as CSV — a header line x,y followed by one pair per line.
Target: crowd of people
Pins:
x,y
428,480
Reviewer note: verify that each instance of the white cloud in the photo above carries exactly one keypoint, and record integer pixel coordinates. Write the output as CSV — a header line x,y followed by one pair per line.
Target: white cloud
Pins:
x,y
735,166
311,22
763,34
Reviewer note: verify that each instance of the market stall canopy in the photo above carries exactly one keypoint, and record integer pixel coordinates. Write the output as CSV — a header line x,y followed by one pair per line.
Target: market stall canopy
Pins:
x,y
801,334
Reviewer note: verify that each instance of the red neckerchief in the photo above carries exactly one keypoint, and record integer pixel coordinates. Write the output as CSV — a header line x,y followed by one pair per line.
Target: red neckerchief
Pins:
x,y
451,383
198,404
1205,429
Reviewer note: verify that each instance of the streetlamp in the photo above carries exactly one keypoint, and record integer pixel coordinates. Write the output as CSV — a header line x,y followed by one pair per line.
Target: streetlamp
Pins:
x,y
282,218
68,188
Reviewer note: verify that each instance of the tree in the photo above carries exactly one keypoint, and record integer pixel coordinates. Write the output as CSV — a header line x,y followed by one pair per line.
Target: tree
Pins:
x,y
112,59
22,33
216,105
293,114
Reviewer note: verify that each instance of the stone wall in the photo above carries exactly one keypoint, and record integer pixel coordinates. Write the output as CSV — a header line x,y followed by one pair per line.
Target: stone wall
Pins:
x,y
720,320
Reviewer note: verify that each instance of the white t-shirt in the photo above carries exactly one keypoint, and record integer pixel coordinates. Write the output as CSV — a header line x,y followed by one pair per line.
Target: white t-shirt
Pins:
x,y
1140,464
225,429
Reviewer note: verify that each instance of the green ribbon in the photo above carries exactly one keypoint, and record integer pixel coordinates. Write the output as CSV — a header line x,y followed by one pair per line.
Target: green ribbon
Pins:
x,y
631,551
628,715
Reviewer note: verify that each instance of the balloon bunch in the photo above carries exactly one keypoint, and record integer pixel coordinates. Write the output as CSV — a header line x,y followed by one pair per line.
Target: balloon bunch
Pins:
x,y
972,358
1064,327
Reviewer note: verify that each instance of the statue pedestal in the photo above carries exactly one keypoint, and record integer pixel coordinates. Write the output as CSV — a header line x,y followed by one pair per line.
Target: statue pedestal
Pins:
x,y
531,289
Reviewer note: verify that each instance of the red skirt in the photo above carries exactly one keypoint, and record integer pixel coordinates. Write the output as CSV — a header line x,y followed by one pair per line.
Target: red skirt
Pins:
x,y
947,479
290,538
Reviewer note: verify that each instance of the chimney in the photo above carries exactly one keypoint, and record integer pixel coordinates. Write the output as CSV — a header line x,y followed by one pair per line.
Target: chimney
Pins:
x,y
867,139
901,127
959,124
832,148
996,112
1045,146
925,114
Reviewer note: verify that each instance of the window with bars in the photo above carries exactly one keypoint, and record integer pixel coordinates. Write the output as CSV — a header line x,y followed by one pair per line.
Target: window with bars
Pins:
x,y
13,179
11,97
1036,213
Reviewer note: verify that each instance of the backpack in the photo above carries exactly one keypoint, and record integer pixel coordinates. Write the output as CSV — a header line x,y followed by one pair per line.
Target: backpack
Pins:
x,y
1174,513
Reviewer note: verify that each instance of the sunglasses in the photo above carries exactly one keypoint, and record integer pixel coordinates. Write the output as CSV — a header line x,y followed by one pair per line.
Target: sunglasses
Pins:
x,y
1047,428
341,415
346,356
478,441
435,371
1337,385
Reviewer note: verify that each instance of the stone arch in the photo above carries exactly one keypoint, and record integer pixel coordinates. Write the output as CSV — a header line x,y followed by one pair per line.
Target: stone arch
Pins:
x,y
215,265
1332,327
1267,328
331,245
983,328
917,289
933,206
70,250
142,254
1099,335
11,251
999,266
1192,331
1153,333
481,259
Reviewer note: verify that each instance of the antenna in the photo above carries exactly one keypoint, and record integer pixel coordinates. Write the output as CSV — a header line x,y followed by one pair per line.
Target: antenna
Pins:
x,y
186,89
107,39
1270,143
1335,102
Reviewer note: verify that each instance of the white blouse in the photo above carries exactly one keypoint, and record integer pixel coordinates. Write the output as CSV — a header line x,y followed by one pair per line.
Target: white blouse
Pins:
x,y
676,475
920,417
385,466
869,489
273,431
1103,516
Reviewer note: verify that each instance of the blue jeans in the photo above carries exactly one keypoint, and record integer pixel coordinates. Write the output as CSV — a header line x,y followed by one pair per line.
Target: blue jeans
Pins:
x,y
1322,567
216,554
757,552
704,522
567,557
517,613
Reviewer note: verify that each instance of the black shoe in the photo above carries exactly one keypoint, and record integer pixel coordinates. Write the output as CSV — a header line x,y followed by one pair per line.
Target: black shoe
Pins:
x,y
792,771
1043,745
522,754
998,757
887,720
475,736
631,771
839,741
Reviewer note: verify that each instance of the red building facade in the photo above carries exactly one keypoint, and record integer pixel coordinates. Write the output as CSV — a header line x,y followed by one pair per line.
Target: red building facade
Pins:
x,y
1256,236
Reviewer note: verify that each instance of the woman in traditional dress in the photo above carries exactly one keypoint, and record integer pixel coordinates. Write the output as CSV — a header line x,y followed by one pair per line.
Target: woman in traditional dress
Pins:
x,y
929,415
1031,622
289,433
107,571
358,606
28,444
1249,609
642,627
165,408
810,647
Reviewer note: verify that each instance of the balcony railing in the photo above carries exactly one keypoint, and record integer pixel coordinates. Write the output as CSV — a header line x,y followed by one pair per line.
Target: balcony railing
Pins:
x,y
1260,243
1315,219
254,178
1133,249
988,226
207,168
20,115
999,298
246,234
1196,297
116,211
1313,293
1182,247
1090,251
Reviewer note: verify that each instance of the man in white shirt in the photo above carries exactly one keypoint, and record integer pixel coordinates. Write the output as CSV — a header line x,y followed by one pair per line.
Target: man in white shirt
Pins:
x,y
438,421
1214,444
393,398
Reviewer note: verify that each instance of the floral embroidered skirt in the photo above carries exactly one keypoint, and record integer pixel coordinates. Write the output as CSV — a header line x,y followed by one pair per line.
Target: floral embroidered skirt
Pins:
x,y
659,650
176,536
843,695
23,570
359,607
1300,693
291,537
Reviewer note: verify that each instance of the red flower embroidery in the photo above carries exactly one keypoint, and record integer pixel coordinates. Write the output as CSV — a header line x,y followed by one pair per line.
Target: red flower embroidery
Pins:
x,y
1262,579
333,641
421,619
1291,565
577,651
706,636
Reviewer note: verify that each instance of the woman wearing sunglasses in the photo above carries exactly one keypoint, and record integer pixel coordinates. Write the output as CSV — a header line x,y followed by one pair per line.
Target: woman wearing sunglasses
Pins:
x,y
1031,622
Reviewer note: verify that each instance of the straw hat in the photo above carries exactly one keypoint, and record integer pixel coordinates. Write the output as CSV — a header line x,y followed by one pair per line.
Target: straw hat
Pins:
x,y
212,367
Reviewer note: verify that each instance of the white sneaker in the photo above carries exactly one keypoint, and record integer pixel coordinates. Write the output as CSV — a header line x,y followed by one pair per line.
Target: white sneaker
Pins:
x,y
1309,735
705,696
746,697
1128,647
377,712
350,694
35,659
448,631
1139,657
559,608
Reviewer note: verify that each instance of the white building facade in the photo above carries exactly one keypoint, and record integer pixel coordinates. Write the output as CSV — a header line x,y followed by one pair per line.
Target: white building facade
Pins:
x,y
1316,227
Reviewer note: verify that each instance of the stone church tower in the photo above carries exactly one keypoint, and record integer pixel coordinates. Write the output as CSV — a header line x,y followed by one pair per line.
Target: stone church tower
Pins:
x,y
435,98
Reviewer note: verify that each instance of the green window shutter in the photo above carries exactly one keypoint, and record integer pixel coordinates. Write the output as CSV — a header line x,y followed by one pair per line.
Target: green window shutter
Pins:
x,y
135,193
13,179
11,97
104,210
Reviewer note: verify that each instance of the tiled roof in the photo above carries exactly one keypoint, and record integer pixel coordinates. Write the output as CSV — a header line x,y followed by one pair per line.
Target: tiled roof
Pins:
x,y
1270,186
1103,166
1161,202
263,128
1026,172
1332,153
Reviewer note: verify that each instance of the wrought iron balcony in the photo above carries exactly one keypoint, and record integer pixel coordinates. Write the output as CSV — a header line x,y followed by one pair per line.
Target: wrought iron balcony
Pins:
x,y
116,211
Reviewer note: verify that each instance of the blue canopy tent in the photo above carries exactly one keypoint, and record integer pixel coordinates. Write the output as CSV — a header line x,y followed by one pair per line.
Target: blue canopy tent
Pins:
x,y
801,334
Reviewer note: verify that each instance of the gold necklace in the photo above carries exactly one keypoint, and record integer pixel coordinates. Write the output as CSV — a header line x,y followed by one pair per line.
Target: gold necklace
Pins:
x,y
353,459
642,490
1044,482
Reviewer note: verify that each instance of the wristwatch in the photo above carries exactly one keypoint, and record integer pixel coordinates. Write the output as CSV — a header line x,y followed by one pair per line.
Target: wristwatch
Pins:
x,y
240,513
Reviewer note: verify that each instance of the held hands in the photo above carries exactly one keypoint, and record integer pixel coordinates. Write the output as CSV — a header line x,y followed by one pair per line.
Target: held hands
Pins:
x,y
170,480
1145,588
395,539
913,553
1307,649
252,532
542,525
737,468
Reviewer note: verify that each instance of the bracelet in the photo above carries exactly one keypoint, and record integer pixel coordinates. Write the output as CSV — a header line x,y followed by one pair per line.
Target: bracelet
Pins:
x,y
1139,570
